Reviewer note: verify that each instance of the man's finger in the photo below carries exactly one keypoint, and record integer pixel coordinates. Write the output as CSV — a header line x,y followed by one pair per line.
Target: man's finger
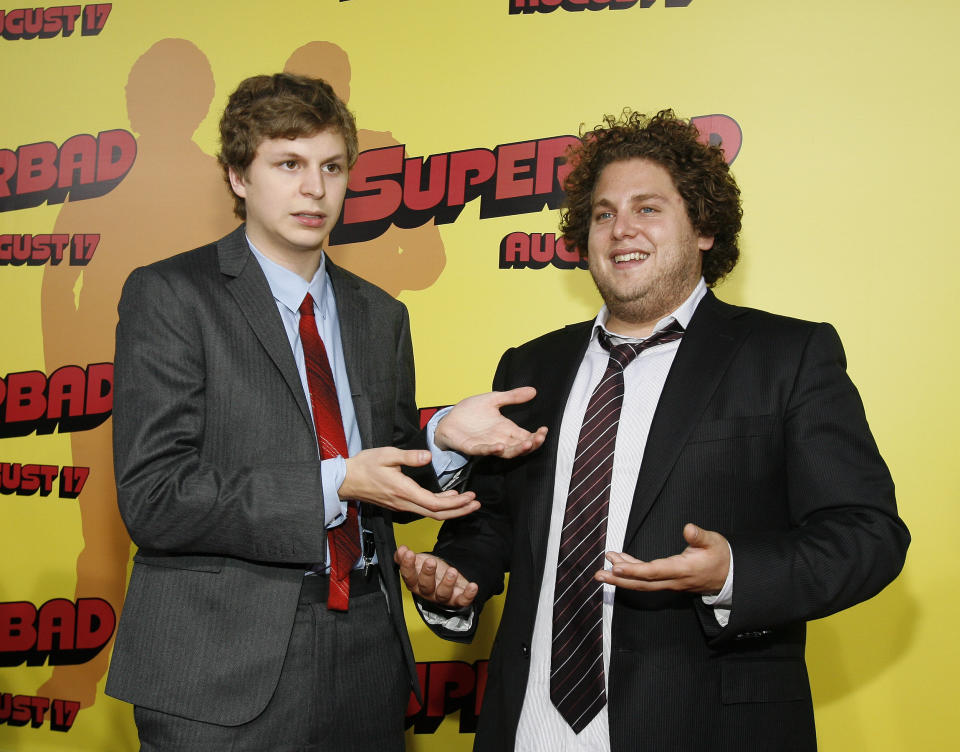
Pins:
x,y
445,586
427,580
408,457
408,490
514,396
448,514
633,583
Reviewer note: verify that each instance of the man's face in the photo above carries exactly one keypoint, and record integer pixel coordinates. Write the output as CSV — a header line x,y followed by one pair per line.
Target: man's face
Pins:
x,y
643,252
294,190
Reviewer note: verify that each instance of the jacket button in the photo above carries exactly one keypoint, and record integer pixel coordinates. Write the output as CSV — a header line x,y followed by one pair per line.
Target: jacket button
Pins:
x,y
525,650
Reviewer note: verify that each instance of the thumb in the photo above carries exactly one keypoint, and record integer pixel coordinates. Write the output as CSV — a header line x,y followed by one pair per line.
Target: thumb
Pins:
x,y
695,536
412,457
516,396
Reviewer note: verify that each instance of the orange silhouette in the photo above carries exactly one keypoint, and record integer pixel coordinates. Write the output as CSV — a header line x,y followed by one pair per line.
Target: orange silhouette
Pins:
x,y
400,259
173,199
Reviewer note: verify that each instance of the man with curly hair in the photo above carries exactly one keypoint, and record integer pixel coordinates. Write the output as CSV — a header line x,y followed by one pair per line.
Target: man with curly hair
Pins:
x,y
709,484
263,414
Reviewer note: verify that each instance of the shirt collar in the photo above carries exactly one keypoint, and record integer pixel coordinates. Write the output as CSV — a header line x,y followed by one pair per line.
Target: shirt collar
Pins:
x,y
289,288
681,315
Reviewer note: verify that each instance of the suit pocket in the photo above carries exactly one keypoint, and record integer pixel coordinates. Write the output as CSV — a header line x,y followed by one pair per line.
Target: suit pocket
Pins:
x,y
731,428
758,680
191,562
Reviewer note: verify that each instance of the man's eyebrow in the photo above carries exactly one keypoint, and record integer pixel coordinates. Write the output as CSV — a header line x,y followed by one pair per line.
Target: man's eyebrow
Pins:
x,y
633,199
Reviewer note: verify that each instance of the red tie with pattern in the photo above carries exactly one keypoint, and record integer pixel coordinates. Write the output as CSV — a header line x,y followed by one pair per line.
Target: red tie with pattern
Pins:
x,y
577,686
342,540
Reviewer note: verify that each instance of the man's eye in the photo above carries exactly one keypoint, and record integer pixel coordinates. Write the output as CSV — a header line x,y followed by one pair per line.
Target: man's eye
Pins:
x,y
333,167
603,215
290,164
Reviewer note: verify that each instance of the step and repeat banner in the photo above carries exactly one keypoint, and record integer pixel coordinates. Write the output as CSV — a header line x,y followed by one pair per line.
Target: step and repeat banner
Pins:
x,y
840,123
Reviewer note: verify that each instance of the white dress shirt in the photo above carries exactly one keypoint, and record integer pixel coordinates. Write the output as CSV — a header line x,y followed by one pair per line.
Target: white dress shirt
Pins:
x,y
541,727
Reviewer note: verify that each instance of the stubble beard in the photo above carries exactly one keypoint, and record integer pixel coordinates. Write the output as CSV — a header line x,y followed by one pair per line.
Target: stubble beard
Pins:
x,y
649,300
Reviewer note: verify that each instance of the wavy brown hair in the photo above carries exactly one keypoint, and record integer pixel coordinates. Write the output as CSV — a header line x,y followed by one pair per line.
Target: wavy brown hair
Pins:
x,y
699,172
283,105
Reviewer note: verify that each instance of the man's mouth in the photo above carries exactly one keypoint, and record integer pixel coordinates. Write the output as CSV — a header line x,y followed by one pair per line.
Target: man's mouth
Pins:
x,y
621,258
310,218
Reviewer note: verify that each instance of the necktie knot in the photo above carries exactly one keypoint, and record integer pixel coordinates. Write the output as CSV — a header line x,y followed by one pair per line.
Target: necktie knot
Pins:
x,y
624,354
306,307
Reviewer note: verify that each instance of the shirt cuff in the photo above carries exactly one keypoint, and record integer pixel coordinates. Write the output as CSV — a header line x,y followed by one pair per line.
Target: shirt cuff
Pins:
x,y
453,620
447,464
722,602
332,473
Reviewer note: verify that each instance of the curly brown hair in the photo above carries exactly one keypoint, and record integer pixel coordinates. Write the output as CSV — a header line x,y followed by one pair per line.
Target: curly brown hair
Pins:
x,y
283,105
698,170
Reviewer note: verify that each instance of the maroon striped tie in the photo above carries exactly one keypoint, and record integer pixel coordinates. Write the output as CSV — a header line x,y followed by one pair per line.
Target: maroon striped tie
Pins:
x,y
342,540
577,687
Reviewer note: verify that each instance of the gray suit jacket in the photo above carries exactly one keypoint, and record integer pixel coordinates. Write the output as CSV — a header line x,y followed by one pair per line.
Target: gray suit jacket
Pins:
x,y
218,478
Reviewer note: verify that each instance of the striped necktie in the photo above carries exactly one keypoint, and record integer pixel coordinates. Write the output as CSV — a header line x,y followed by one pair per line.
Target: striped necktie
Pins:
x,y
342,540
577,686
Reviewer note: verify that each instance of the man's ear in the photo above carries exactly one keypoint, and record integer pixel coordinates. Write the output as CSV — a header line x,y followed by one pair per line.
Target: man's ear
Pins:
x,y
236,182
705,242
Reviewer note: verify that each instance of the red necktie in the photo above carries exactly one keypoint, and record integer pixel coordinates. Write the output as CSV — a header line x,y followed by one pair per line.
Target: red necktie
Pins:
x,y
577,686
342,540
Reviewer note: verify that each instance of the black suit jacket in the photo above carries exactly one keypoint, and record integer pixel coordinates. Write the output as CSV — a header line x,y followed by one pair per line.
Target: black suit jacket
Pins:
x,y
218,477
759,434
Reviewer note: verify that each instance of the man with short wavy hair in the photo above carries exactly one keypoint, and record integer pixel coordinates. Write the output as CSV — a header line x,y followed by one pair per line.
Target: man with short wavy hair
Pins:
x,y
261,397
709,484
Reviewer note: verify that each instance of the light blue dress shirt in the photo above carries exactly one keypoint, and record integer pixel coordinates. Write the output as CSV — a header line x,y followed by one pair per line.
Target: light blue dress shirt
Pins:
x,y
289,290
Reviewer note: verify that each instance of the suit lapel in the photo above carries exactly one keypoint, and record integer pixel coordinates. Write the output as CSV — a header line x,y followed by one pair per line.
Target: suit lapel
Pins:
x,y
352,310
553,389
250,290
705,352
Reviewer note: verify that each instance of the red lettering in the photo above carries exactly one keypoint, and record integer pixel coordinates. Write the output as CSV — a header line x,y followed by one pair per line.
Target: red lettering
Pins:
x,y
421,200
95,18
722,131
56,626
478,164
62,714
509,168
16,627
37,167
73,399
25,400
514,250
519,251
448,680
8,168
116,152
72,481
95,623
78,154
63,631
66,390
32,249
99,389
378,196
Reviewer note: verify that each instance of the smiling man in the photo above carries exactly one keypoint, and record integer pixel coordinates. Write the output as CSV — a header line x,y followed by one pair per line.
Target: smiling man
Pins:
x,y
261,399
709,484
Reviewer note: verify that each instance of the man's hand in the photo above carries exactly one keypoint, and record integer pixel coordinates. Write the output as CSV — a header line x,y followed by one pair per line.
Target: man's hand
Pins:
x,y
434,580
475,426
374,476
701,568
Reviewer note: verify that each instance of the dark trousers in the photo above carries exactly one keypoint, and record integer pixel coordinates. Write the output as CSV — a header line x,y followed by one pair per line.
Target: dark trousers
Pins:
x,y
343,688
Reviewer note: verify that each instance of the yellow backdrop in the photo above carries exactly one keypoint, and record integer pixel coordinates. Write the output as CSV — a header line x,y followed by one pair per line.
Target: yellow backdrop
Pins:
x,y
848,162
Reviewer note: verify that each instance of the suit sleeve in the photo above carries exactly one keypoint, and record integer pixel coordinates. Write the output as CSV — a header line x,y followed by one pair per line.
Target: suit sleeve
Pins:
x,y
172,496
846,541
479,544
